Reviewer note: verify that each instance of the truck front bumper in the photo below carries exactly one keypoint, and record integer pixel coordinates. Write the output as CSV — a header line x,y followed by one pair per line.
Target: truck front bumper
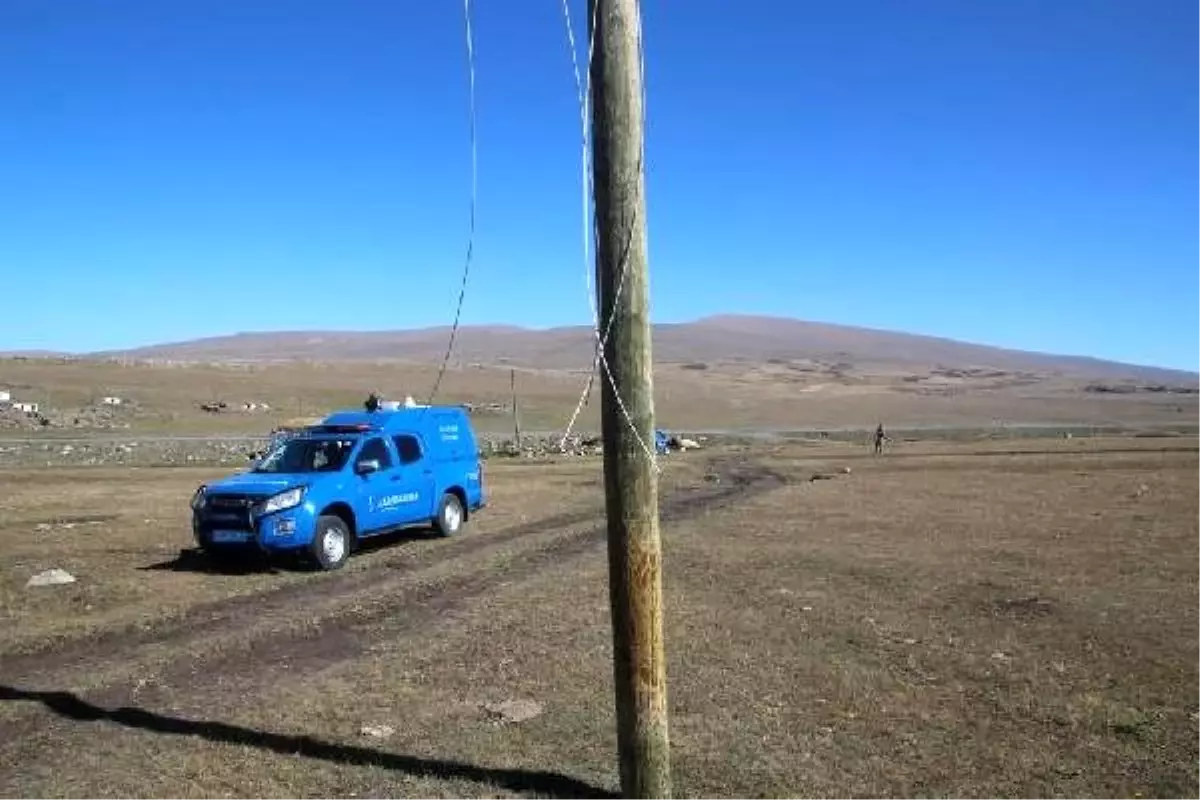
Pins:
x,y
284,530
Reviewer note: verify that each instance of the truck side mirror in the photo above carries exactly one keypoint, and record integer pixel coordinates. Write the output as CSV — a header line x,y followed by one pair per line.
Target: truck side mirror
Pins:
x,y
366,467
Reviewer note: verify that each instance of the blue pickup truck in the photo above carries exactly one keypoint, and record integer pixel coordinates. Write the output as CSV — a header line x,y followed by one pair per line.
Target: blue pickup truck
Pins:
x,y
354,475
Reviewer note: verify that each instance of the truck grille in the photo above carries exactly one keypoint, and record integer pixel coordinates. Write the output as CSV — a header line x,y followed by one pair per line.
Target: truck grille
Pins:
x,y
231,500
229,511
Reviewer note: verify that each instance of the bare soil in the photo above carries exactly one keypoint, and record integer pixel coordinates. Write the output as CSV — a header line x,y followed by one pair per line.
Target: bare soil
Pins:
x,y
983,620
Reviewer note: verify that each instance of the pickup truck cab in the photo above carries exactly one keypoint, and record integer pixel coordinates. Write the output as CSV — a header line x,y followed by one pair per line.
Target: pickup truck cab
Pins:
x,y
354,475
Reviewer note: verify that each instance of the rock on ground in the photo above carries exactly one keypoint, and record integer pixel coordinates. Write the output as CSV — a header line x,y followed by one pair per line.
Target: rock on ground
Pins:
x,y
513,711
51,577
377,731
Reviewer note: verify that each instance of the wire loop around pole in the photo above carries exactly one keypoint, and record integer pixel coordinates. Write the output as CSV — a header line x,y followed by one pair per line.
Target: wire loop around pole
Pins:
x,y
590,235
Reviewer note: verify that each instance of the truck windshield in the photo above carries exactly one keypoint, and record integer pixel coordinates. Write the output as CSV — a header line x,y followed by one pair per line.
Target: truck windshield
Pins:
x,y
306,455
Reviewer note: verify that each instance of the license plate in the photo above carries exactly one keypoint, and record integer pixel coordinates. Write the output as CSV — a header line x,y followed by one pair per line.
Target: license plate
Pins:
x,y
224,537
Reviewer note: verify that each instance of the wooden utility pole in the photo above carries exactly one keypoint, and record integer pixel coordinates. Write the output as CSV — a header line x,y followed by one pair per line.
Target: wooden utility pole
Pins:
x,y
630,480
512,379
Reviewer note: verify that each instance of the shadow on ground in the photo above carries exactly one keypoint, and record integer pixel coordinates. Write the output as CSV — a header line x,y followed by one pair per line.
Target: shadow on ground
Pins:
x,y
541,783
250,561
194,560
384,541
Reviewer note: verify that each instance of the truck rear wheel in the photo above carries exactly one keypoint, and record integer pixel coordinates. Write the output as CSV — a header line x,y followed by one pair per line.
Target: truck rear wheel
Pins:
x,y
331,543
450,515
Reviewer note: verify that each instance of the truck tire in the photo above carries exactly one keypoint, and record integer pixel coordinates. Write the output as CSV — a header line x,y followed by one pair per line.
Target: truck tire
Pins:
x,y
450,515
331,542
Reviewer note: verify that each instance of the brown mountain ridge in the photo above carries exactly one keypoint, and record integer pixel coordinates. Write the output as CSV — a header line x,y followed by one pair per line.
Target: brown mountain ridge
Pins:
x,y
728,338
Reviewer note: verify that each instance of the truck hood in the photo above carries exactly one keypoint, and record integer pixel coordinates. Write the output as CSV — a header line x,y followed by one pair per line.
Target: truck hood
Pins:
x,y
259,483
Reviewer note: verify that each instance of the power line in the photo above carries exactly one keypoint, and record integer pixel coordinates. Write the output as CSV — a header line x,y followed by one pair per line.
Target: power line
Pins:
x,y
589,232
599,360
462,291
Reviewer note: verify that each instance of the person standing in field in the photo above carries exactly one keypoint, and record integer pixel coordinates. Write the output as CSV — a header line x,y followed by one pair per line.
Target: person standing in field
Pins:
x,y
880,436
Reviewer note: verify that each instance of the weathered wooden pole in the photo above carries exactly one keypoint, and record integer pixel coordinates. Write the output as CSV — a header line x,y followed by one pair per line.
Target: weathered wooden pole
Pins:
x,y
630,479
512,379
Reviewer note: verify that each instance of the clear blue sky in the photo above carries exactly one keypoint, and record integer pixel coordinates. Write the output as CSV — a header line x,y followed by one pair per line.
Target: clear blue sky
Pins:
x,y
1020,173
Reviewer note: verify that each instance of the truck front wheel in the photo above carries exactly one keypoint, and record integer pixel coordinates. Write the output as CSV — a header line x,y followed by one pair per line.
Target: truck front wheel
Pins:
x,y
450,515
331,543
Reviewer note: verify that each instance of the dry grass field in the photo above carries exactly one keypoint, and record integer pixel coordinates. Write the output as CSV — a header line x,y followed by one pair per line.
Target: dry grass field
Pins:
x,y
991,619
724,395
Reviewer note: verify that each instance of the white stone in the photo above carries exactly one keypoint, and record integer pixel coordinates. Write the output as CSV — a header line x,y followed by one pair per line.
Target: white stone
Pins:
x,y
377,731
513,711
51,577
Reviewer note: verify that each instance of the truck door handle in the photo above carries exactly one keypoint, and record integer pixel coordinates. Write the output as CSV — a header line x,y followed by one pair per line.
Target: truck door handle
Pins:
x,y
395,478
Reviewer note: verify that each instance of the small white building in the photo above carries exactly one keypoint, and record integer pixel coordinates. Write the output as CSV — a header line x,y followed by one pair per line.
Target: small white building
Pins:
x,y
110,401
28,408
5,396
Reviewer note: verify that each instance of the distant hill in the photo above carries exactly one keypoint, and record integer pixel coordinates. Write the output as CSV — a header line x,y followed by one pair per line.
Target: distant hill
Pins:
x,y
712,339
32,354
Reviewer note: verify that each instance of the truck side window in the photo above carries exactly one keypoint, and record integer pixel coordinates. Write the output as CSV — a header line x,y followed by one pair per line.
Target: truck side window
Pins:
x,y
376,449
408,447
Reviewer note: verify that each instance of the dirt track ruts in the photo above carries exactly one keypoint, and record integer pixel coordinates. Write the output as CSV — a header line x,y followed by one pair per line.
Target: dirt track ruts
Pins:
x,y
348,630
212,616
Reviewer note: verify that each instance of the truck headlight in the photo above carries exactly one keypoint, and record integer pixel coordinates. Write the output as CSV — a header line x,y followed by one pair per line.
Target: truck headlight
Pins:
x,y
198,499
283,501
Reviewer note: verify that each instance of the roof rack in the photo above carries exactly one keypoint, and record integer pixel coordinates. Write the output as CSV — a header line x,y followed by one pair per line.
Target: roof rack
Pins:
x,y
352,427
